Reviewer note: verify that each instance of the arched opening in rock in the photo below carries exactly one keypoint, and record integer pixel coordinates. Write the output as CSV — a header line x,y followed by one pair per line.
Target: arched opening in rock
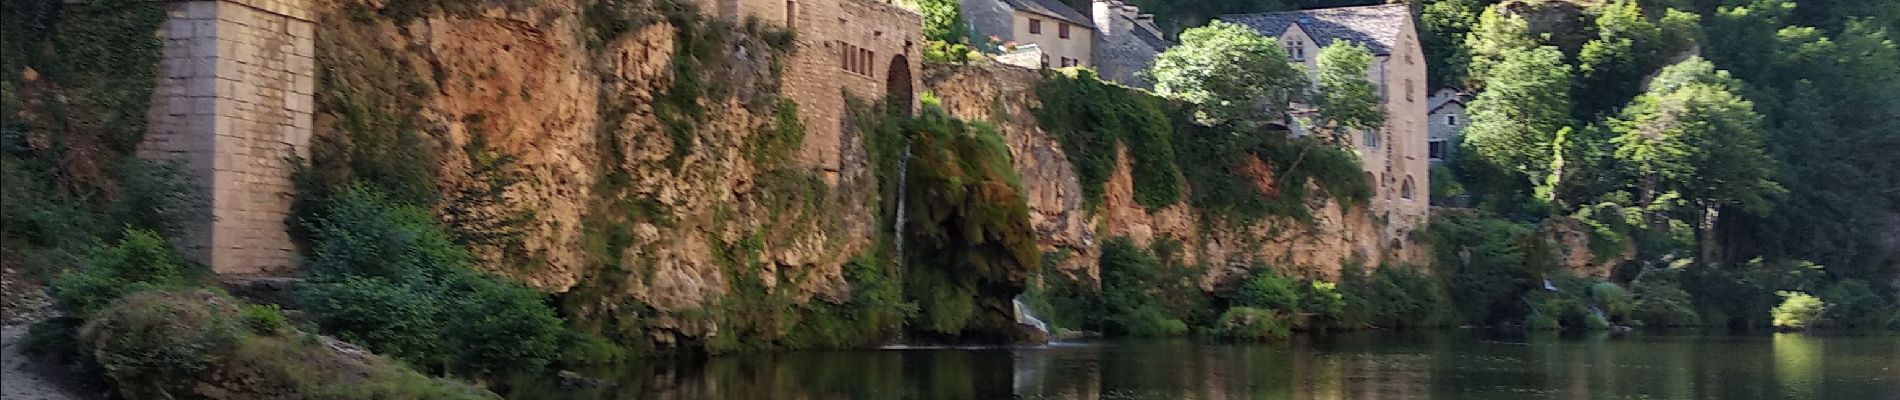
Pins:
x,y
897,87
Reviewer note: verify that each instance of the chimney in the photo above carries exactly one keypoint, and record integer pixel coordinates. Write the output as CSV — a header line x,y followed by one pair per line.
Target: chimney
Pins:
x,y
1103,11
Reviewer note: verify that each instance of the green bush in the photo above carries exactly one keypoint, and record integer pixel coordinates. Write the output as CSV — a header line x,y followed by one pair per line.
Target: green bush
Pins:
x,y
1322,299
1852,305
1268,290
1661,302
264,319
141,261
1617,303
1798,311
1131,282
387,276
1483,261
1253,324
1391,297
153,346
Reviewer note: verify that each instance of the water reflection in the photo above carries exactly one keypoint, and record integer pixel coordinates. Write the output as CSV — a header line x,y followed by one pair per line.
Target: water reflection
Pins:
x,y
1436,365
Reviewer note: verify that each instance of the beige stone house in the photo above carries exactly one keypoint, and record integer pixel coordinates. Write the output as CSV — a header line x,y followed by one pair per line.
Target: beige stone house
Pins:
x,y
1063,36
1394,156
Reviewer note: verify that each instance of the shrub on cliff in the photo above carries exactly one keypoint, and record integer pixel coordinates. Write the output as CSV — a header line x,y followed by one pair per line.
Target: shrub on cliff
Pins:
x,y
1130,280
1391,297
192,343
1270,291
1483,260
1798,311
387,276
140,261
1253,324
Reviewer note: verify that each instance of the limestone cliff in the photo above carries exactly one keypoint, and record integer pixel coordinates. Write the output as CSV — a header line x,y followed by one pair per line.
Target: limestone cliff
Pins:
x,y
647,140
1005,96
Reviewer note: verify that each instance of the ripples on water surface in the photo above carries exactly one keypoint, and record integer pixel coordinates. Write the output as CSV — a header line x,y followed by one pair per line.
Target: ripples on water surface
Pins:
x,y
1427,365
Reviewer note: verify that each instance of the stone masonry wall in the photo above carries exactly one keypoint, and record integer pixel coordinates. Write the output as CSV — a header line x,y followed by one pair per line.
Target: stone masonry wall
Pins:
x,y
832,35
234,104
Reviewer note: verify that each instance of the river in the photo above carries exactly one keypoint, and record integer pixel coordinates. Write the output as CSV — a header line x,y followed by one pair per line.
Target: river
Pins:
x,y
1378,365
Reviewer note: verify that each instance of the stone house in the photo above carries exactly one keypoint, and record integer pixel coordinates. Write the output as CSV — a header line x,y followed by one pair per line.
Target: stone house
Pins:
x,y
1394,156
1063,36
1446,110
868,49
1126,43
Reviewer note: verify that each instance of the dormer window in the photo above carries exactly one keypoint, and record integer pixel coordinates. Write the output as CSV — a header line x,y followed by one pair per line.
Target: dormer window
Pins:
x,y
1035,26
1297,49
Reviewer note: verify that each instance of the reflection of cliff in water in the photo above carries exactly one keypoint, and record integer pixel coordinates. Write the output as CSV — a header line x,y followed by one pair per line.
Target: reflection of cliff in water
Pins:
x,y
1435,365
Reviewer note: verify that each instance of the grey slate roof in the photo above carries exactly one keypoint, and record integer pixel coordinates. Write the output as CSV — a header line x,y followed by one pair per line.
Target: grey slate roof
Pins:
x,y
1053,9
1439,99
1150,34
1377,27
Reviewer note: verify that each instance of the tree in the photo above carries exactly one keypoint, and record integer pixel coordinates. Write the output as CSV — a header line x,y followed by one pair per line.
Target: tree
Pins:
x,y
1345,99
1498,34
1611,67
1692,137
1233,73
1444,24
1515,120
946,33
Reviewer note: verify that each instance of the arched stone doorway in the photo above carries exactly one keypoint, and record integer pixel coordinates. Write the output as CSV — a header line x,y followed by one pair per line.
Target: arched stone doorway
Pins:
x,y
897,84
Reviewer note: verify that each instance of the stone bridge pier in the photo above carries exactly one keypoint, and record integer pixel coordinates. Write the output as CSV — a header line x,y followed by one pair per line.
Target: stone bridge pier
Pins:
x,y
234,105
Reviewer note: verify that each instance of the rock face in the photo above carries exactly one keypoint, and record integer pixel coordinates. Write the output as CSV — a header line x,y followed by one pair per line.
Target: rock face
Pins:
x,y
664,169
644,192
1005,96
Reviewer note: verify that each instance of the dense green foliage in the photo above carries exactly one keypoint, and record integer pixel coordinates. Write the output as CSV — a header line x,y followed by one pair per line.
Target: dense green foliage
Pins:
x,y
1233,74
1345,100
387,276
946,33
1093,119
1223,166
1769,142
1797,311
1391,297
968,247
173,344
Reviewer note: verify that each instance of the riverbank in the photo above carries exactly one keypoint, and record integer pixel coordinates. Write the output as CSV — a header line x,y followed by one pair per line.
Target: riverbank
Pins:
x,y
22,378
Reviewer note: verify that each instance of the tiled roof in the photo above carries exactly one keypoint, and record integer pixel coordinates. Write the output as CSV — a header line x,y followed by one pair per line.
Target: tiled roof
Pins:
x,y
1054,9
1377,27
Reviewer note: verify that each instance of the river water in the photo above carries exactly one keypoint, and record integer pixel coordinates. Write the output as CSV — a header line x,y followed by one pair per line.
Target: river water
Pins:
x,y
1384,365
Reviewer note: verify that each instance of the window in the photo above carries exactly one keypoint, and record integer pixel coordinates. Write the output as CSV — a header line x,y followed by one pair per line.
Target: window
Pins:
x,y
791,14
1370,139
1405,189
856,59
1035,26
1437,149
1408,90
1062,30
1451,120
1045,61
1298,49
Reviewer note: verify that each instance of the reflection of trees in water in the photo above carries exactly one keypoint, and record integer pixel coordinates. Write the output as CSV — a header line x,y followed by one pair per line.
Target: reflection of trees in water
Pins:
x,y
1797,365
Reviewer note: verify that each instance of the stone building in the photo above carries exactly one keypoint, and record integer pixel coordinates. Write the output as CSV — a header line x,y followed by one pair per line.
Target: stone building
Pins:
x,y
1394,156
1064,36
1446,110
868,49
233,104
1126,43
